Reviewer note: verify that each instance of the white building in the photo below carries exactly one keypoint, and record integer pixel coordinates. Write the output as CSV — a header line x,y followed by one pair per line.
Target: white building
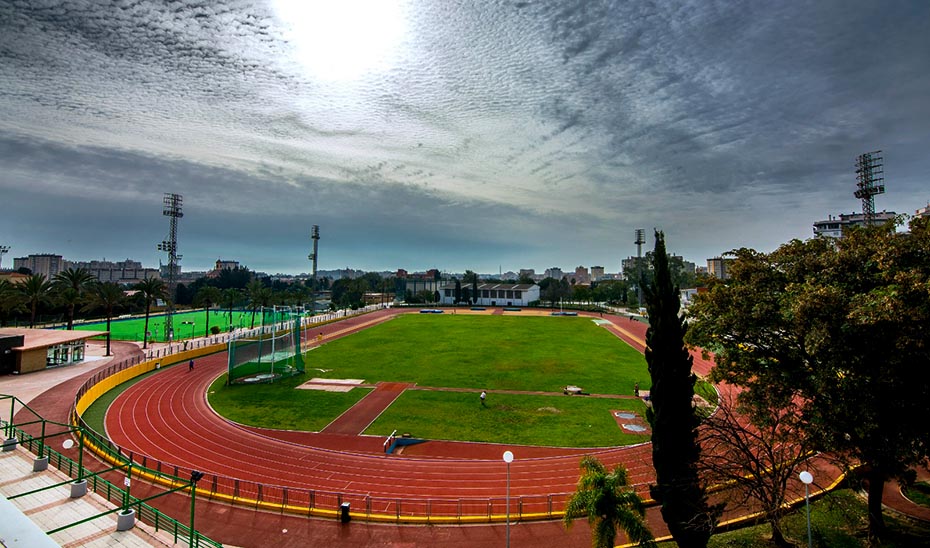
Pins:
x,y
494,294
833,227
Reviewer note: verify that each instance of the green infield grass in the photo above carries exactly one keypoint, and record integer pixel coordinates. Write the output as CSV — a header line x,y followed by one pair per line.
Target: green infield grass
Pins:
x,y
486,352
186,325
471,353
279,405
567,421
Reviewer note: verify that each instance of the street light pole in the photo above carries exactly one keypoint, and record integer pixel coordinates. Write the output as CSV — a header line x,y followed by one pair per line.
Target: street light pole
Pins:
x,y
195,477
508,458
807,479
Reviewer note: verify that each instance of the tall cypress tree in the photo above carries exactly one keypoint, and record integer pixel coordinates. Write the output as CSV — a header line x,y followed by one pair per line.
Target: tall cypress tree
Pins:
x,y
675,450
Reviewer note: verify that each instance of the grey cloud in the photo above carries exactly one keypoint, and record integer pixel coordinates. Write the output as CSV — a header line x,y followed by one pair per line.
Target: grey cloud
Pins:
x,y
551,124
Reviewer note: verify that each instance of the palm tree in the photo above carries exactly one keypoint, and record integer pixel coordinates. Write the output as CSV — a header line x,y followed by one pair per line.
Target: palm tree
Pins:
x,y
36,289
259,296
208,296
151,289
231,297
107,296
11,301
77,280
610,504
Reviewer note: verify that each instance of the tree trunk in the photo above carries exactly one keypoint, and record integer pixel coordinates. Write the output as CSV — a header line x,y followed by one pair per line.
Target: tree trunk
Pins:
x,y
778,537
145,334
876,520
108,333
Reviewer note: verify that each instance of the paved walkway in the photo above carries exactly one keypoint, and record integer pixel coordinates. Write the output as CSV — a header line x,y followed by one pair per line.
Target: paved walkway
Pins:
x,y
53,508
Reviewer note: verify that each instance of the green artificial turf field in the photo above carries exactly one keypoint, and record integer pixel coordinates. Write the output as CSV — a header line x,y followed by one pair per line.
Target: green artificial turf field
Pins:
x,y
131,329
468,353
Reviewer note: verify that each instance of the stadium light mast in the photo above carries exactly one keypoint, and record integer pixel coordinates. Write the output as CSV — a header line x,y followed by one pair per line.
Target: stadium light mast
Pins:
x,y
4,249
869,176
172,209
315,236
640,239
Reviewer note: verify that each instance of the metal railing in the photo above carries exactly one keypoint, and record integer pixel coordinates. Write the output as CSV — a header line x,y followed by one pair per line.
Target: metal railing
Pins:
x,y
113,494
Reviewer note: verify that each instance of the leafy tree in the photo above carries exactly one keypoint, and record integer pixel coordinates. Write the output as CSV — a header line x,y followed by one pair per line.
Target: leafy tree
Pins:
x,y
71,285
253,293
760,458
36,290
525,279
458,291
612,291
109,296
151,289
230,298
349,293
259,297
840,324
298,294
675,451
581,293
609,503
237,278
183,294
12,301
474,289
208,296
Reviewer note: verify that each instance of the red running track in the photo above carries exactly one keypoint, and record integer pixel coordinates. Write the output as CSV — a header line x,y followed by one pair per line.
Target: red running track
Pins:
x,y
166,417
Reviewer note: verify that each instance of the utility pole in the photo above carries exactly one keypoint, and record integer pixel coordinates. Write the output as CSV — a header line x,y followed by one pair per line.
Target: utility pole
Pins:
x,y
172,209
315,236
640,235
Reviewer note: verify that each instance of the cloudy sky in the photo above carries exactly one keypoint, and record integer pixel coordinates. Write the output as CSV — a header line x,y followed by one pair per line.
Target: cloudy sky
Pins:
x,y
477,134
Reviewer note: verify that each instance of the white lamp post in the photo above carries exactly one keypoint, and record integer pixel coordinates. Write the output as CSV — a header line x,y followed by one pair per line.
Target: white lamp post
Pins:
x,y
508,458
807,479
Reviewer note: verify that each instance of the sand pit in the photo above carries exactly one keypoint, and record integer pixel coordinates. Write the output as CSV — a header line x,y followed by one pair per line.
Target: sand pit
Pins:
x,y
331,385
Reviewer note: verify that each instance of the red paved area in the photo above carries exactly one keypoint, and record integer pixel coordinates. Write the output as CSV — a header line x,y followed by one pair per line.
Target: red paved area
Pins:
x,y
357,418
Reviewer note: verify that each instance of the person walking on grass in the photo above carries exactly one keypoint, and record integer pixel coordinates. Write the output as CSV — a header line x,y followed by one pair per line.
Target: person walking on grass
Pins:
x,y
483,396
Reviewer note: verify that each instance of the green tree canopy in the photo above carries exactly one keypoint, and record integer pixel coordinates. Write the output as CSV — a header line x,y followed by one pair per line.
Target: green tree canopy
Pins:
x,y
841,325
108,296
36,290
71,284
675,450
610,504
151,290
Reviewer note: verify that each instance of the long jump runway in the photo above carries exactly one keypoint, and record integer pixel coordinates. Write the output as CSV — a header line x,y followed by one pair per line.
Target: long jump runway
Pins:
x,y
166,417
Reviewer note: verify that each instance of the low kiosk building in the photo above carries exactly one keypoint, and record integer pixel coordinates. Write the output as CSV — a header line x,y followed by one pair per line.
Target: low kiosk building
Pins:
x,y
25,350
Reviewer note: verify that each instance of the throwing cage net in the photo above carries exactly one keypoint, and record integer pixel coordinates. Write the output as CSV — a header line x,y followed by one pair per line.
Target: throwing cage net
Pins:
x,y
272,352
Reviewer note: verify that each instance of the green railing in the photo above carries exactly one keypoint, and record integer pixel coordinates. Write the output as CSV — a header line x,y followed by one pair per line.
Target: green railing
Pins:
x,y
161,522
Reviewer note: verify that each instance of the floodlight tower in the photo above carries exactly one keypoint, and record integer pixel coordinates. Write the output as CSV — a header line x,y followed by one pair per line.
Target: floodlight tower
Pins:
x,y
172,209
315,236
869,176
4,249
640,234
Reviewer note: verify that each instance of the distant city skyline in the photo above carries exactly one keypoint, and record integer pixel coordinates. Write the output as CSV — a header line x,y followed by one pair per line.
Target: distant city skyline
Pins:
x,y
456,136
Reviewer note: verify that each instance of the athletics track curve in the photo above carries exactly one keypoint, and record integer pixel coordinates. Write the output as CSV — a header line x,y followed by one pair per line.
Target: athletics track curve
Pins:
x,y
166,417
